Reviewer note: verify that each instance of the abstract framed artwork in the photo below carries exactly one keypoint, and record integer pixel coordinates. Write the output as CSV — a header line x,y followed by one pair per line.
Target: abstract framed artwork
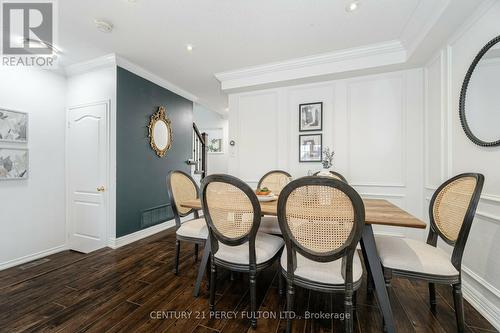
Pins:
x,y
311,117
14,163
13,126
310,147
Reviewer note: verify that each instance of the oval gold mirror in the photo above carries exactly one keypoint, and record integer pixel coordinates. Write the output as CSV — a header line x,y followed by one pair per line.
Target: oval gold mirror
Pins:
x,y
160,132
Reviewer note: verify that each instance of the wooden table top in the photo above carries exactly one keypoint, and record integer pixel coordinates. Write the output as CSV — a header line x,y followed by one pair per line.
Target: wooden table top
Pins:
x,y
380,212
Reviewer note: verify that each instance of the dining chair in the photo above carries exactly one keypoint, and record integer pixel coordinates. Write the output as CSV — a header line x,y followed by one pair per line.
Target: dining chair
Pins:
x,y
275,181
335,175
321,220
182,187
451,212
232,212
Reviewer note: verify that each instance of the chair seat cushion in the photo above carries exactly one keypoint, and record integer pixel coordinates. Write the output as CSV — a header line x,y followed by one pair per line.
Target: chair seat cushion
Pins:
x,y
414,256
270,225
324,272
266,247
196,228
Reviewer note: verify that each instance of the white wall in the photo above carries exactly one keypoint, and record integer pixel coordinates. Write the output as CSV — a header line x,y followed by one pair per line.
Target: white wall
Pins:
x,y
93,86
207,119
374,124
448,152
32,212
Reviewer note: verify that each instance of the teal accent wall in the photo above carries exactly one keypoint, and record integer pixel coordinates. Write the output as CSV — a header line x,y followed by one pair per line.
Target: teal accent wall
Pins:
x,y
140,173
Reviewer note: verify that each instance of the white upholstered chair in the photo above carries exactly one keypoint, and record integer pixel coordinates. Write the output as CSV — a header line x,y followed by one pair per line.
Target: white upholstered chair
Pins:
x,y
321,220
451,213
182,187
232,212
275,181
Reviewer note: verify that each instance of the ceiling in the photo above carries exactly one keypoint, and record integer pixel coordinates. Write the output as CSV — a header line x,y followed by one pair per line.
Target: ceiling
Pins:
x,y
232,34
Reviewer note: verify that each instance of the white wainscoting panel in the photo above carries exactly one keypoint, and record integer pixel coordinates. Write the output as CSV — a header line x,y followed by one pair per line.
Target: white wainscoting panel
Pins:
x,y
376,112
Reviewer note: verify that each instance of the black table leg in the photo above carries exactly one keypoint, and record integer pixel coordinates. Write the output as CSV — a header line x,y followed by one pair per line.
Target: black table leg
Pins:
x,y
202,268
372,262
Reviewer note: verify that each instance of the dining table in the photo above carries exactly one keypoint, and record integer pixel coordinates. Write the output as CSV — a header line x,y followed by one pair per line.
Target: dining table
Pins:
x,y
377,212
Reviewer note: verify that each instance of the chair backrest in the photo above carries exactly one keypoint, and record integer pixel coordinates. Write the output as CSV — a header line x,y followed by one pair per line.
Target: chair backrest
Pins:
x,y
452,209
322,219
181,187
232,211
335,175
275,180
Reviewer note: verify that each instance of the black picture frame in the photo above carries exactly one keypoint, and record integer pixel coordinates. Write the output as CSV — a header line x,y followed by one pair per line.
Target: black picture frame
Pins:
x,y
316,127
314,160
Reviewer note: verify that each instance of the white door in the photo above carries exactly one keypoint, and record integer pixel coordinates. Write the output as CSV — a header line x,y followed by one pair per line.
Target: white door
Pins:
x,y
87,165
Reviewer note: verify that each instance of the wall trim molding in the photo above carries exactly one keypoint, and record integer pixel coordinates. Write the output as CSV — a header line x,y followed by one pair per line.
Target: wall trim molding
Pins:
x,y
369,56
491,198
144,73
477,299
90,65
473,18
115,243
31,257
488,216
412,40
402,76
115,60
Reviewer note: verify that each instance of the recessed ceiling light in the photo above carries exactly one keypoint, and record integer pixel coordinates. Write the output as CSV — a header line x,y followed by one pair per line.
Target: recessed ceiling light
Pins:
x,y
103,26
189,47
352,6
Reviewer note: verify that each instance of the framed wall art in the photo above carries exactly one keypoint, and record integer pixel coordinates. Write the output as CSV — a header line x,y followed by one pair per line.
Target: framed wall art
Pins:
x,y
311,117
13,126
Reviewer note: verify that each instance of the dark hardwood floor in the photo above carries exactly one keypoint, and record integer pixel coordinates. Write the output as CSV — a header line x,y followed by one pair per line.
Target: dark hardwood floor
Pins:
x,y
125,290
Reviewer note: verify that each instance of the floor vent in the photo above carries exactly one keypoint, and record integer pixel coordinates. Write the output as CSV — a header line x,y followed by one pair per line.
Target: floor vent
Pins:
x,y
33,264
155,215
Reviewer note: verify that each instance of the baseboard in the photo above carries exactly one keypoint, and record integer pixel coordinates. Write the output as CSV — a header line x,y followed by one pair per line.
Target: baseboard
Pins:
x,y
480,293
115,243
31,257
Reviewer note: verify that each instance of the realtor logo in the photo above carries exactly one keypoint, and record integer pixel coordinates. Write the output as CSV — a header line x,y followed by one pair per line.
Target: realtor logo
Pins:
x,y
28,33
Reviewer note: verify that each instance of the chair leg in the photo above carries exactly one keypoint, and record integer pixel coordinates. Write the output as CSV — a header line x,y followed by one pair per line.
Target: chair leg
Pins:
x,y
348,310
354,301
177,253
213,278
253,298
387,278
289,305
432,297
280,284
459,306
195,252
209,274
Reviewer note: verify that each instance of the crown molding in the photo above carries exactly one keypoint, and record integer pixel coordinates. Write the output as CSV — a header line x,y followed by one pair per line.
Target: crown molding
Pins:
x,y
114,60
90,65
370,56
415,32
136,69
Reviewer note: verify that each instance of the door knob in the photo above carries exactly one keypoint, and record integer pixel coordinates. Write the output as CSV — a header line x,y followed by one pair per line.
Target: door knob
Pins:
x,y
100,189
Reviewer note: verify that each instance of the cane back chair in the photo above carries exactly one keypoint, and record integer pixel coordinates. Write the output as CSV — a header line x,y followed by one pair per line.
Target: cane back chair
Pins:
x,y
181,187
232,212
321,220
451,211
275,181
335,175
